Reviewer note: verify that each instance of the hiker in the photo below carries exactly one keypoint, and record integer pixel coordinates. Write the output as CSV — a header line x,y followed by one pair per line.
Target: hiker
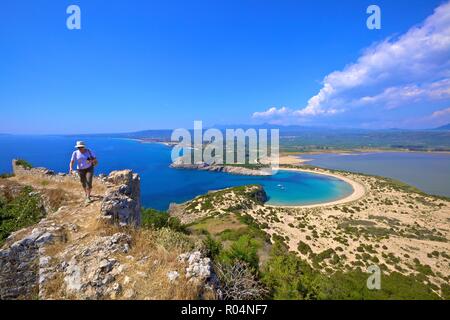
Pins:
x,y
86,161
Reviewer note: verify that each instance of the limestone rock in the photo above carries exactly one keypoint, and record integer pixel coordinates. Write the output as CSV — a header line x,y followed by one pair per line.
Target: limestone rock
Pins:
x,y
92,270
173,276
198,267
121,203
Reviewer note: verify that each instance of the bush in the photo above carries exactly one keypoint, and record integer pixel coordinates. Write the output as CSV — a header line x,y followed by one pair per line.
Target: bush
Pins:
x,y
6,175
304,248
24,163
155,219
232,235
19,212
171,239
213,247
445,291
286,275
244,249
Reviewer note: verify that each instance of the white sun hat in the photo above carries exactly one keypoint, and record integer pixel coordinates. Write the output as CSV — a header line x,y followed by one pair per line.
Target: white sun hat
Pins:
x,y
80,144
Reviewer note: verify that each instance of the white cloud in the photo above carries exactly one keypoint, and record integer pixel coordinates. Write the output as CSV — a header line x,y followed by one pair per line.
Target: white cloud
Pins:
x,y
441,113
411,68
394,97
271,113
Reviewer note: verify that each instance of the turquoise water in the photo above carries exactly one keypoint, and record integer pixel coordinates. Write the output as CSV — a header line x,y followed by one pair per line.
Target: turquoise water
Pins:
x,y
162,185
429,172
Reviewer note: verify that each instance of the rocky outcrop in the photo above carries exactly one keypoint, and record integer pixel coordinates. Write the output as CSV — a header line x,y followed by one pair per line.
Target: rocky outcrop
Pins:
x,y
89,268
219,168
198,268
21,170
23,264
70,255
19,265
217,202
122,201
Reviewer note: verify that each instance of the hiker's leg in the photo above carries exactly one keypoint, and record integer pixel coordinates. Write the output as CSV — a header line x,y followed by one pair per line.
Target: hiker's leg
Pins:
x,y
83,180
89,178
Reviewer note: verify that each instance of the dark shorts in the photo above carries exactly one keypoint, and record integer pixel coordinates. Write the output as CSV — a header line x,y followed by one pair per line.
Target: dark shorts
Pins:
x,y
86,176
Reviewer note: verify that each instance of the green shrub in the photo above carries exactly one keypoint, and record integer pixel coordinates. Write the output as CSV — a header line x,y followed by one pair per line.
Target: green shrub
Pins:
x,y
24,163
19,212
286,275
289,277
232,235
304,248
212,246
171,239
445,291
244,249
155,219
352,286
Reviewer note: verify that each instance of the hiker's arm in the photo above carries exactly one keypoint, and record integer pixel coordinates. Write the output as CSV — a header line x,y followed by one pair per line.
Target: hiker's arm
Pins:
x,y
71,166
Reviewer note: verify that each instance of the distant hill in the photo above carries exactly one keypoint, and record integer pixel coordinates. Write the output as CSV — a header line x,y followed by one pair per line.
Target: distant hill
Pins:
x,y
283,128
302,138
444,127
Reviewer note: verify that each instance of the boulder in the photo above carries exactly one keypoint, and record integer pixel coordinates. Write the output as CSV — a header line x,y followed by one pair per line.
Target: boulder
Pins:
x,y
122,202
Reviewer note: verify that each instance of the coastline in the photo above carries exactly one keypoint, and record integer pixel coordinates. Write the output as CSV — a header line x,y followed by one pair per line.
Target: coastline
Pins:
x,y
358,189
358,151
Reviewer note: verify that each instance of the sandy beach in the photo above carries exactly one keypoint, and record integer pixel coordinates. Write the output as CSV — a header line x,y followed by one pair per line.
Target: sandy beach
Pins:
x,y
292,160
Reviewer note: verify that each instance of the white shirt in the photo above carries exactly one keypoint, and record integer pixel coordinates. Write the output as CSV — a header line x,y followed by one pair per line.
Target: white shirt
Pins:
x,y
82,158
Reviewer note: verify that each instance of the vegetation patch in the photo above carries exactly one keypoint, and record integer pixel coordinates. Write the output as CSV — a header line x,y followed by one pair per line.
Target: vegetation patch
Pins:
x,y
155,219
288,277
24,163
19,211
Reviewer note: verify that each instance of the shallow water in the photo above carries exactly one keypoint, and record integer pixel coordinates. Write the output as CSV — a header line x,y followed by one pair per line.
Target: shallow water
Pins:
x,y
161,185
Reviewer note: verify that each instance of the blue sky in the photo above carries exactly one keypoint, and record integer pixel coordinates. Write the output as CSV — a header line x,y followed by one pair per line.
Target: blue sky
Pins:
x,y
138,65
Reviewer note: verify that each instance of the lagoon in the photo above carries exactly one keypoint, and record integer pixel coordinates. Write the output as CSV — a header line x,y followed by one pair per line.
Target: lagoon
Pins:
x,y
430,172
161,185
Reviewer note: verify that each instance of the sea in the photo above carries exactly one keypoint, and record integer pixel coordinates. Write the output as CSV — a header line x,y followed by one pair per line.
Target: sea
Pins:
x,y
160,184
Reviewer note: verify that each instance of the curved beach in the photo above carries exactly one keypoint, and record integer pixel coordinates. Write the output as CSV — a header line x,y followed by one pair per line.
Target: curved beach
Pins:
x,y
358,190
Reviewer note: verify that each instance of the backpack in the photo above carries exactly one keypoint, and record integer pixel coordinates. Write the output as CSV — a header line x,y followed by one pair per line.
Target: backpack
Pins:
x,y
93,160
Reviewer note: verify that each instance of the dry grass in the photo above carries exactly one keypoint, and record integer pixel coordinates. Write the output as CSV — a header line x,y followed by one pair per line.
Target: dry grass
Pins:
x,y
147,264
56,247
149,274
70,184
151,281
57,198
55,288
